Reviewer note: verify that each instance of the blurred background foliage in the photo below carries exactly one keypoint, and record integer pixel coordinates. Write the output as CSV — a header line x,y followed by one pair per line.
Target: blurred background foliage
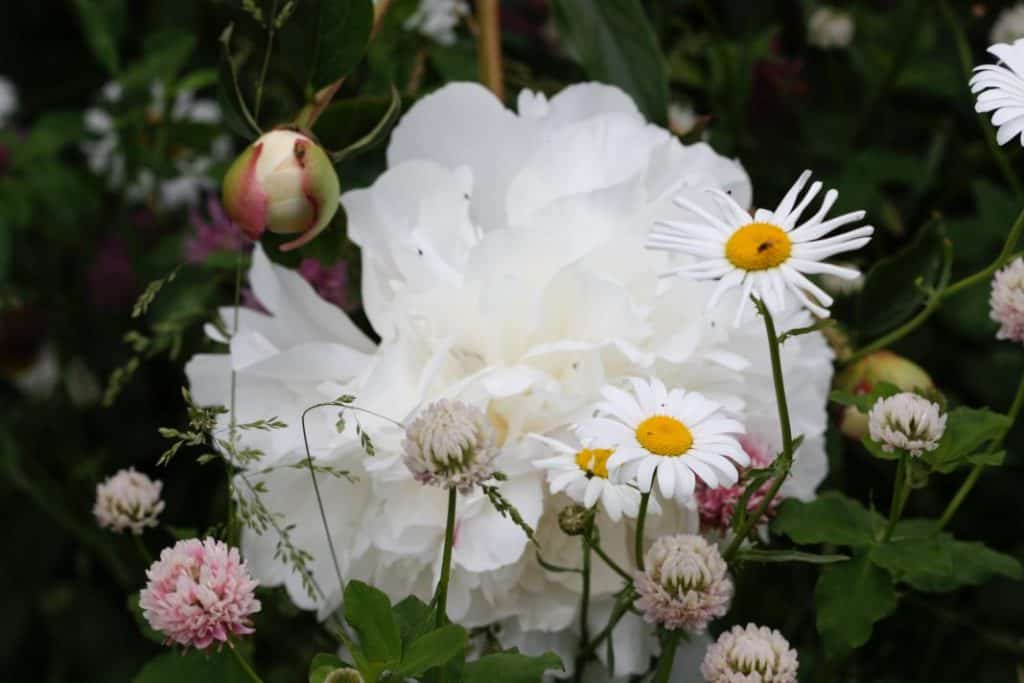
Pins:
x,y
90,213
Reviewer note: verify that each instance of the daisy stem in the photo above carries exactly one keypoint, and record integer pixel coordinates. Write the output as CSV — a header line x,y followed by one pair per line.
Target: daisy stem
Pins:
x,y
641,518
668,655
900,493
446,564
582,656
963,50
488,16
244,663
975,473
785,461
612,564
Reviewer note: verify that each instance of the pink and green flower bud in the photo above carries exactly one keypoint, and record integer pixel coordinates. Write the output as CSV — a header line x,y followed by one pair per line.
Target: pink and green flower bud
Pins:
x,y
285,183
861,377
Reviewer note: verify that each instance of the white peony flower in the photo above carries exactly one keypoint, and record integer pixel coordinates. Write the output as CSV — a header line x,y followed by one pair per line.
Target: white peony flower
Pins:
x,y
504,266
1007,301
830,28
750,654
999,88
128,501
675,434
451,445
437,19
768,254
906,421
1009,25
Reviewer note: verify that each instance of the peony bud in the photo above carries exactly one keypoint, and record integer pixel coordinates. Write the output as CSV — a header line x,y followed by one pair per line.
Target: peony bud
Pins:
x,y
284,182
860,378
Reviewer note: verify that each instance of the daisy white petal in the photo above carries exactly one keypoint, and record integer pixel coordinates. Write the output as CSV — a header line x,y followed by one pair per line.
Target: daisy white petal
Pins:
x,y
1000,89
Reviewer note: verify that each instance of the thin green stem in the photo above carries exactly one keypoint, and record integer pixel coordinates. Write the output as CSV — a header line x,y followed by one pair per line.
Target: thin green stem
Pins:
x,y
620,611
446,564
271,29
230,525
975,473
985,273
786,458
582,657
144,553
612,564
963,49
641,519
900,493
668,656
244,664
319,499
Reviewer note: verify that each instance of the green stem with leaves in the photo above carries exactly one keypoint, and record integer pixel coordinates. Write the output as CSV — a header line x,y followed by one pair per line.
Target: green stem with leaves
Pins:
x,y
670,643
446,563
244,663
785,461
900,493
975,473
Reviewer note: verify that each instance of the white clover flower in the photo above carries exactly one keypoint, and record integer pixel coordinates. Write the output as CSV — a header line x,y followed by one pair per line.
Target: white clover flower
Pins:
x,y
750,654
437,19
906,421
451,445
676,434
685,583
1007,301
830,27
999,88
1009,25
582,473
767,254
128,501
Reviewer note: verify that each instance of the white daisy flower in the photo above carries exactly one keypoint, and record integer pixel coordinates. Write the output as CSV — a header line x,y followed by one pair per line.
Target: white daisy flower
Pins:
x,y
766,254
674,433
582,473
999,88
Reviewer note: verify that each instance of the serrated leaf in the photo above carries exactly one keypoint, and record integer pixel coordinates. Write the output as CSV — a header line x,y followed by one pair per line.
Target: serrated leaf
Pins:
x,y
850,597
967,431
414,618
432,649
510,667
368,611
616,44
831,518
938,562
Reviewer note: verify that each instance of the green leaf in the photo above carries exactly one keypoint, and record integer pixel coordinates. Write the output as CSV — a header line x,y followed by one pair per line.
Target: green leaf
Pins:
x,y
229,93
342,34
864,401
322,665
432,649
850,597
376,134
757,555
831,518
938,562
967,431
194,667
890,293
368,610
101,21
414,619
140,620
615,44
510,667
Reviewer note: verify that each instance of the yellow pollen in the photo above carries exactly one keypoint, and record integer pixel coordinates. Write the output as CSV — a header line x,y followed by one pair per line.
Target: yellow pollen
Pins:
x,y
664,435
758,246
594,461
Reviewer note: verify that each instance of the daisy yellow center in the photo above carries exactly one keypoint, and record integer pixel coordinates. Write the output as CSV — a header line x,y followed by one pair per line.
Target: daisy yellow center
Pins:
x,y
758,246
664,435
594,461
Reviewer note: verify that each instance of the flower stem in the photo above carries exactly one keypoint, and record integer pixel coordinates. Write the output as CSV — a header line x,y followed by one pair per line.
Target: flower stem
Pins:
x,y
271,29
582,656
900,493
668,656
244,664
641,519
488,16
985,273
975,473
612,564
785,462
320,500
144,553
230,525
446,564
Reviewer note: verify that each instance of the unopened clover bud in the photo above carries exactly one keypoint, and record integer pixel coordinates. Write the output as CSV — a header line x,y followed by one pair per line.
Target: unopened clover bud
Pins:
x,y
861,377
572,519
284,182
345,675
